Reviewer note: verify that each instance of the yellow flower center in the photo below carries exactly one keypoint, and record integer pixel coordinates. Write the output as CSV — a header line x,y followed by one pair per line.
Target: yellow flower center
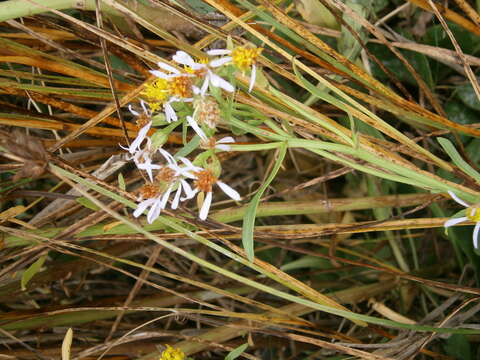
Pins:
x,y
149,191
142,120
244,58
180,86
157,90
156,93
171,353
205,180
165,174
473,214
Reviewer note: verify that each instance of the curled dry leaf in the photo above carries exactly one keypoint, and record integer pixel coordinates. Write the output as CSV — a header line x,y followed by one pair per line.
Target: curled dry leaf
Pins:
x,y
27,149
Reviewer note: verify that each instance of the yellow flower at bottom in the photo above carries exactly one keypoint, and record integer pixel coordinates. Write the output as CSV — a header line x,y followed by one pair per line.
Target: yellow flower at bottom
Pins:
x,y
171,353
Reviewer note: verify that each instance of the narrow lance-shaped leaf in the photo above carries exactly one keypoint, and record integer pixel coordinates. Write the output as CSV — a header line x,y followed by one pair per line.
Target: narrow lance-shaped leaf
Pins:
x,y
236,352
249,218
31,271
458,160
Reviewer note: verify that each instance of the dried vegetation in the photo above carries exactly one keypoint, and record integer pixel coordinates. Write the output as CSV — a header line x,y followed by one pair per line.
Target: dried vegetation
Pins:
x,y
363,116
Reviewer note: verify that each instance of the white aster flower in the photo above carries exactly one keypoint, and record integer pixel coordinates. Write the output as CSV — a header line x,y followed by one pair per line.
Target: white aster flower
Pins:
x,y
210,143
156,201
144,162
179,87
204,69
176,174
243,58
472,214
135,145
204,181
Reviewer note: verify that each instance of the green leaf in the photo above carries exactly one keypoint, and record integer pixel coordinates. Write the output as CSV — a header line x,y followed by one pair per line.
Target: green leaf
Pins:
x,y
457,159
249,218
87,203
468,96
236,352
458,347
31,271
308,261
200,6
457,112
121,181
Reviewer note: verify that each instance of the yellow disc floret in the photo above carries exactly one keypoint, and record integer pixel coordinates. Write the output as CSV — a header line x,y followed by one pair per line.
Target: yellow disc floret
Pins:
x,y
243,58
473,214
171,353
156,92
181,86
205,180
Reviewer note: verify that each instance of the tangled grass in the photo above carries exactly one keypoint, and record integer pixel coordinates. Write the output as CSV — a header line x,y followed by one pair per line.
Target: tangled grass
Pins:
x,y
337,132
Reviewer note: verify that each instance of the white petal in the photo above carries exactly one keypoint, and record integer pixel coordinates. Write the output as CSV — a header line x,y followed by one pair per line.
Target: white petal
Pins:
x,y
217,52
148,167
252,77
191,121
165,196
176,199
187,189
196,90
189,197
183,58
170,114
229,191
168,68
142,206
204,88
189,165
160,74
206,206
219,82
133,111
140,137
226,140
170,159
220,62
475,235
144,106
455,221
154,211
457,199
222,147
124,147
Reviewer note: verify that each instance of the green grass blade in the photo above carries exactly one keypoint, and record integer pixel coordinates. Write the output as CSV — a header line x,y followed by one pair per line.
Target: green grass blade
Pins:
x,y
249,218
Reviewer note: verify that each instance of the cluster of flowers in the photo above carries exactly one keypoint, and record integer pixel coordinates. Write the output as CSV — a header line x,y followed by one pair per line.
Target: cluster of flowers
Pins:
x,y
195,88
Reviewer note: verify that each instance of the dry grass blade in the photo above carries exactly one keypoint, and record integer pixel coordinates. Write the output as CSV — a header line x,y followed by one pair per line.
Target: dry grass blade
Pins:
x,y
242,175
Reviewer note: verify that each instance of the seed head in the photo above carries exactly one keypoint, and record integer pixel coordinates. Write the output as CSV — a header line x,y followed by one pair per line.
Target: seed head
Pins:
x,y
208,112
